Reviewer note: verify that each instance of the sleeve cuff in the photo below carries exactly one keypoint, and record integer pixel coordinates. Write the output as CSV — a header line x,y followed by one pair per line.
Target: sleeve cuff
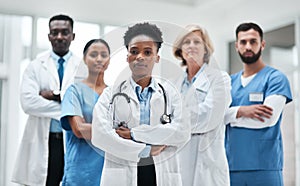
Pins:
x,y
145,153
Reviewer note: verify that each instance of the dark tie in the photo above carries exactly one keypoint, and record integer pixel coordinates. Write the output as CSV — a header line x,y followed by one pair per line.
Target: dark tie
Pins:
x,y
61,70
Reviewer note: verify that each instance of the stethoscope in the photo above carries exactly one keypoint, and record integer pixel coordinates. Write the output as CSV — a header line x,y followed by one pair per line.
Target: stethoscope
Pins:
x,y
164,119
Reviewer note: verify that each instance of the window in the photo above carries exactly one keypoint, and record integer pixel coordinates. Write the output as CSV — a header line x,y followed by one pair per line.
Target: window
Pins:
x,y
114,36
83,33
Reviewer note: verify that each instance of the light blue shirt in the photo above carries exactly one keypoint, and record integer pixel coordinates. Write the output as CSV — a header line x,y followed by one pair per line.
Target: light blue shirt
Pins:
x,y
186,84
55,57
54,124
144,97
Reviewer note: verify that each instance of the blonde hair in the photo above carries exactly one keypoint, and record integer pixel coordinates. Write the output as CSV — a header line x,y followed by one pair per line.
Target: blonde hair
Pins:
x,y
177,51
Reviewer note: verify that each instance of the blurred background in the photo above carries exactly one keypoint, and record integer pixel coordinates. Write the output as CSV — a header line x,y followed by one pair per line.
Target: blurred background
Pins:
x,y
24,29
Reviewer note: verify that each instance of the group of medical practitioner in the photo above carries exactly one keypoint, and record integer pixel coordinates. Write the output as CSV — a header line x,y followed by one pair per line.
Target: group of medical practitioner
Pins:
x,y
203,128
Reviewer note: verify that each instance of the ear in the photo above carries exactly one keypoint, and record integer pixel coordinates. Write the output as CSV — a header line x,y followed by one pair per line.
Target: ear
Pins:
x,y
83,59
73,36
127,58
263,44
157,59
236,46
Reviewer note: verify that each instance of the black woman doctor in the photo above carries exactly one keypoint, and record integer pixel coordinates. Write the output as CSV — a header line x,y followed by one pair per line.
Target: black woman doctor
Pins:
x,y
140,148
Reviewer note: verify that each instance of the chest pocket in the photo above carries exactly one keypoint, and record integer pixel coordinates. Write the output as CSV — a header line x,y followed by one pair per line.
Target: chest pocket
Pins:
x,y
200,95
46,82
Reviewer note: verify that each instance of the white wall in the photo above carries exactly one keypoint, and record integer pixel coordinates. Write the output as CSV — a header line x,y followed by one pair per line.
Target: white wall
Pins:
x,y
219,17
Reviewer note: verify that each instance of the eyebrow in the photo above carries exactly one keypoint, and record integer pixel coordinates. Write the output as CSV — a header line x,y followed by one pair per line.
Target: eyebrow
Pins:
x,y
134,47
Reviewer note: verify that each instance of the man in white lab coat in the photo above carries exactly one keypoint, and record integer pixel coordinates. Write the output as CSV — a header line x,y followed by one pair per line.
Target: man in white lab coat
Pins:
x,y
40,159
138,123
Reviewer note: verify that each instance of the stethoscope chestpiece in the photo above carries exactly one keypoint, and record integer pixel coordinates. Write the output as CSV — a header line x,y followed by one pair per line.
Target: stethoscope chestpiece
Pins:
x,y
123,124
165,118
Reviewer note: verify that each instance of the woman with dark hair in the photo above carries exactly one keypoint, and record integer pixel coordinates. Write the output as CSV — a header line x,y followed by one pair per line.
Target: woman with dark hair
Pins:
x,y
138,122
84,162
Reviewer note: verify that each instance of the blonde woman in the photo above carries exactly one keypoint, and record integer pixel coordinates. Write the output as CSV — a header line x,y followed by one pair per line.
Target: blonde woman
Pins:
x,y
206,94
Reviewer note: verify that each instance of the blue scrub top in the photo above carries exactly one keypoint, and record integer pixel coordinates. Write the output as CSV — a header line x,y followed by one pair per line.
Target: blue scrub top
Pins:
x,y
256,149
83,161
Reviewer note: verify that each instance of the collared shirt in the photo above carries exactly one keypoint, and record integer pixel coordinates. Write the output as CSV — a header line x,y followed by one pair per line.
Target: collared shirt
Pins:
x,y
55,57
144,97
55,124
186,84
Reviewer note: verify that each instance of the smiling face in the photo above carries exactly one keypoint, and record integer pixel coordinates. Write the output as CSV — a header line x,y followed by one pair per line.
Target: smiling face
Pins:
x,y
142,55
193,48
97,58
61,35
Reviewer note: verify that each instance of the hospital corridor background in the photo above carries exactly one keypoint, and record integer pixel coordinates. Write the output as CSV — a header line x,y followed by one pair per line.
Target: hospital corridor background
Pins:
x,y
24,29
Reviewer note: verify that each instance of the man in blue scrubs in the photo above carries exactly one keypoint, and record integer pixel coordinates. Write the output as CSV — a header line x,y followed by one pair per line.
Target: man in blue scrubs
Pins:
x,y
259,93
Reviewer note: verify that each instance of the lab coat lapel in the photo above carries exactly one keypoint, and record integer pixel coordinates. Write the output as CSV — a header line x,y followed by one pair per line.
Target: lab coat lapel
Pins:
x,y
127,89
202,83
49,65
199,87
157,105
134,105
157,96
69,72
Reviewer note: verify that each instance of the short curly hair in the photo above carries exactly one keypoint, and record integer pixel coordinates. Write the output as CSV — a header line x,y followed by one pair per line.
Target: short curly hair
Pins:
x,y
62,17
147,29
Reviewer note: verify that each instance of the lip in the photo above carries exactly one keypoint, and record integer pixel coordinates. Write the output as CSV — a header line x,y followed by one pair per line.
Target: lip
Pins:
x,y
248,54
99,66
140,65
191,53
60,45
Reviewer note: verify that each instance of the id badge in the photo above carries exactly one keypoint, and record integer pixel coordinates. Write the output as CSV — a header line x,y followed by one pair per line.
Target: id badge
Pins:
x,y
256,97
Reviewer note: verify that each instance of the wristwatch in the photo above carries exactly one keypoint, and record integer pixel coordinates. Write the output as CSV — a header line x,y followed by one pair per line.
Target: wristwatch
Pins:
x,y
56,94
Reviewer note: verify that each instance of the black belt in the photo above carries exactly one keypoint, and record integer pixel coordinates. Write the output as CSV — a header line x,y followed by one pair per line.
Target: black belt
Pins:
x,y
56,135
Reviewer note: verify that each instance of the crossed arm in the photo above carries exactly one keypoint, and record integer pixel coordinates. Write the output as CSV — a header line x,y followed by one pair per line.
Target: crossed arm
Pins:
x,y
126,134
257,116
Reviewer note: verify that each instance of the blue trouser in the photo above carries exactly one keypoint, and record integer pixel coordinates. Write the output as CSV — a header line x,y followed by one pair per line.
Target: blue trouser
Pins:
x,y
256,178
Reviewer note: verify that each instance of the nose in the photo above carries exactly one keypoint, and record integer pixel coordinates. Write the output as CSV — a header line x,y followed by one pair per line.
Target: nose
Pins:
x,y
59,35
140,57
99,58
191,44
248,45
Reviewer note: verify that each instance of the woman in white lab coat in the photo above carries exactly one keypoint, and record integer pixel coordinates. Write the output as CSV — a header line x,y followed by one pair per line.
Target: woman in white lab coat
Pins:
x,y
41,74
206,93
122,153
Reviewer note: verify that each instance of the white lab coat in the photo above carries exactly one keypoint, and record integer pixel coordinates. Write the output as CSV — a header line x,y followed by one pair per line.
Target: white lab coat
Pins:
x,y
203,158
121,155
32,158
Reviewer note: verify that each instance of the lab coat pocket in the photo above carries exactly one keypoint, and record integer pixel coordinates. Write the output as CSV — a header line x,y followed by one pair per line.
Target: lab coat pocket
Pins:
x,y
173,179
200,95
113,177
